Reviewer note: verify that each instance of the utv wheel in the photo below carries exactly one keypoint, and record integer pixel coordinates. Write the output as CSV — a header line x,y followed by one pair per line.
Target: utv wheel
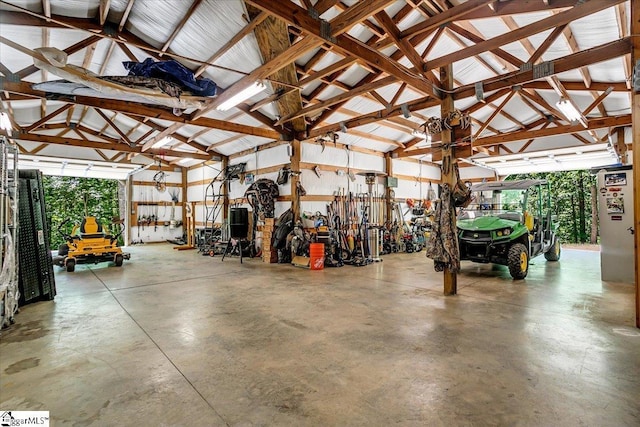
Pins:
x,y
553,254
518,261
71,265
118,260
409,248
63,249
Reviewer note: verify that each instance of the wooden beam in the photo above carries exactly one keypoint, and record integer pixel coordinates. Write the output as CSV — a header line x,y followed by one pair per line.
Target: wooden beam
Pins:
x,y
103,11
519,7
284,59
444,18
38,149
577,12
296,156
232,42
262,118
198,134
620,146
402,43
273,40
49,139
339,25
46,8
374,137
378,45
6,71
581,138
532,96
323,5
398,94
144,136
577,86
27,71
450,280
337,66
494,114
297,16
180,25
113,126
46,118
500,53
339,98
81,130
576,60
124,48
593,124
101,154
373,117
597,101
142,110
125,15
163,134
224,141
544,46
180,138
356,13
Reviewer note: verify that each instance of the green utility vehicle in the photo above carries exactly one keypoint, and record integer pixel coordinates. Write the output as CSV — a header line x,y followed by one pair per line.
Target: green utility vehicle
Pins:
x,y
509,223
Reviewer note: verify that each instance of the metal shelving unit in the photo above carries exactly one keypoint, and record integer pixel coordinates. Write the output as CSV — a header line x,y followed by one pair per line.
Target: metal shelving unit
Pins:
x,y
9,293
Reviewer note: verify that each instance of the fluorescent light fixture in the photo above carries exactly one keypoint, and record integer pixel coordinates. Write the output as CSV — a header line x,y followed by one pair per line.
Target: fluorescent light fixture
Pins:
x,y
569,111
185,160
243,95
5,123
162,142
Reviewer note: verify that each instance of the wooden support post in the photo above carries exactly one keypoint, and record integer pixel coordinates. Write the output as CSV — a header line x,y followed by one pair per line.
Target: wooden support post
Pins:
x,y
296,148
130,215
446,77
225,191
621,146
635,109
388,161
184,198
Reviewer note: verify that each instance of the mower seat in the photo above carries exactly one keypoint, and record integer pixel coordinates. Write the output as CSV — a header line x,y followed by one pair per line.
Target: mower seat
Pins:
x,y
90,228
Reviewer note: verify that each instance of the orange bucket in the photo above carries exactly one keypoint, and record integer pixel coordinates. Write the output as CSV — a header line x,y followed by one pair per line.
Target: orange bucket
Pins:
x,y
316,255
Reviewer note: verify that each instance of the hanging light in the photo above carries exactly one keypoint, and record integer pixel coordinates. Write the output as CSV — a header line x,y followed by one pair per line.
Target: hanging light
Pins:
x,y
568,110
241,96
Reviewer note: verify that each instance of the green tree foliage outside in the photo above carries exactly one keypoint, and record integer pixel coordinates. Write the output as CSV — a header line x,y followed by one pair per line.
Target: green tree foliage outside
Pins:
x,y
65,198
571,202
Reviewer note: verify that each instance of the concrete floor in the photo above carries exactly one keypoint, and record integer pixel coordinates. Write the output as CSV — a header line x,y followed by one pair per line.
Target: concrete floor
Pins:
x,y
175,338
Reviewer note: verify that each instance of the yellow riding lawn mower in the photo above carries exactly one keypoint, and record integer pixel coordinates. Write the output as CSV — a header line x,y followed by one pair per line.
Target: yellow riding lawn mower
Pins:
x,y
89,244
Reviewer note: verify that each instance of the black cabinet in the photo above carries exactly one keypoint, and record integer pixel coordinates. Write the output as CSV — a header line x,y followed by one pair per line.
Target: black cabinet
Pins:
x,y
35,264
